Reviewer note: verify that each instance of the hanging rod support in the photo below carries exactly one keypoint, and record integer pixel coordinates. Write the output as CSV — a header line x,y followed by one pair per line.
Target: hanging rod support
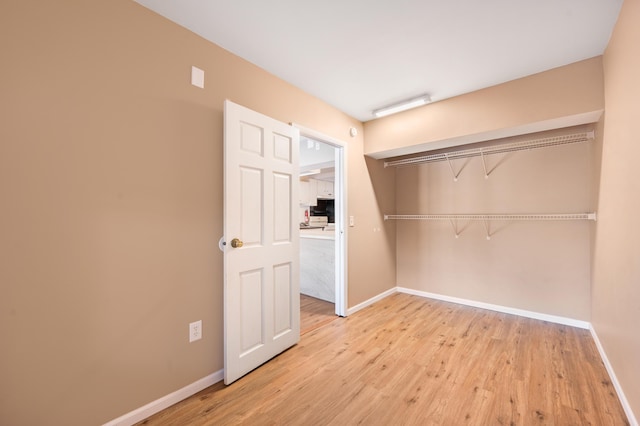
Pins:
x,y
486,227
454,225
484,164
455,176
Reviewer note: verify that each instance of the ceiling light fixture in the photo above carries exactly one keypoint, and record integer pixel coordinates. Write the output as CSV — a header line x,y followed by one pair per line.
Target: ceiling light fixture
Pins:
x,y
402,106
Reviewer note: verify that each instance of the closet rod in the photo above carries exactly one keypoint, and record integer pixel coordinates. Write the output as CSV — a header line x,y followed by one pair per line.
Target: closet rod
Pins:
x,y
495,149
555,216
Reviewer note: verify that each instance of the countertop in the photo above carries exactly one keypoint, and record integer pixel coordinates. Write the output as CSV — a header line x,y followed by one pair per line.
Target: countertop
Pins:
x,y
318,234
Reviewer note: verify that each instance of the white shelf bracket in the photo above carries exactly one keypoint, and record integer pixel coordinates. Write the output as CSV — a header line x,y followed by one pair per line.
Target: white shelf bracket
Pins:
x,y
455,176
484,165
487,227
454,225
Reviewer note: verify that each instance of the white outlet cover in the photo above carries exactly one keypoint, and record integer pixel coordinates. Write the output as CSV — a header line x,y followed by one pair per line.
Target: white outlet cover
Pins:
x,y
195,331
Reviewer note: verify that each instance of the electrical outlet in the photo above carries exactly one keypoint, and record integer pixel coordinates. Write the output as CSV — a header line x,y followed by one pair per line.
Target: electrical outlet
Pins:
x,y
195,331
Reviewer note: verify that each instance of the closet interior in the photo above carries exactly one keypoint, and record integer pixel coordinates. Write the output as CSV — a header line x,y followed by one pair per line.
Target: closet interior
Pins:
x,y
533,197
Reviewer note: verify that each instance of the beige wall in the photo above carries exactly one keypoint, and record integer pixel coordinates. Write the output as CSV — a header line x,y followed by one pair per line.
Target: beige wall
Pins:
x,y
565,96
111,193
616,280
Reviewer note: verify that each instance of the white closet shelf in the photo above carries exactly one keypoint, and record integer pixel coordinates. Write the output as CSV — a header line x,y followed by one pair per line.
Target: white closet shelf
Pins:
x,y
487,218
514,217
494,149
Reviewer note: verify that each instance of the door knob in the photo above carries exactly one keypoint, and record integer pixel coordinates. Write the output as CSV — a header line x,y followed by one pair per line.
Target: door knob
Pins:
x,y
236,243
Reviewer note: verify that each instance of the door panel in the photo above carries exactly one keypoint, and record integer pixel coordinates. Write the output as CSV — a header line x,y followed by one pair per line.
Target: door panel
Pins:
x,y
251,212
251,138
261,286
282,148
282,208
282,298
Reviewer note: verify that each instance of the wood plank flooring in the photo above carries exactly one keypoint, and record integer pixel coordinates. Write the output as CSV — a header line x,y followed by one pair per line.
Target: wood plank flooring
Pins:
x,y
407,360
315,313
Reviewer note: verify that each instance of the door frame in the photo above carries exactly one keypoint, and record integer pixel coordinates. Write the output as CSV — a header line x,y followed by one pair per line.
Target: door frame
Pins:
x,y
341,282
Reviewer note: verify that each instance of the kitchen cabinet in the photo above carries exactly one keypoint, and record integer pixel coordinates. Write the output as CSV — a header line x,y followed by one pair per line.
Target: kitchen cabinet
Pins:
x,y
317,264
307,192
325,189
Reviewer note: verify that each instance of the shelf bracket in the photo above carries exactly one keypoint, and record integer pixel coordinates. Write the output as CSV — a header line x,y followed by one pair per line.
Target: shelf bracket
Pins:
x,y
487,228
484,165
454,225
455,176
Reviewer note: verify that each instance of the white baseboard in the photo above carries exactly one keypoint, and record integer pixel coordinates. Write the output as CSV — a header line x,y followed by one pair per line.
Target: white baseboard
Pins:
x,y
498,308
371,301
166,401
616,384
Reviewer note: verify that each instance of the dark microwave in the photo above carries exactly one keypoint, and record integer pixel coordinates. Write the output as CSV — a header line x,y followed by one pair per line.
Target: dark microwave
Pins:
x,y
324,208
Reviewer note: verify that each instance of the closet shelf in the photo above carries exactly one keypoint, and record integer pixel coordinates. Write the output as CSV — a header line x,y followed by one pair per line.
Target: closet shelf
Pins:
x,y
493,149
552,216
487,218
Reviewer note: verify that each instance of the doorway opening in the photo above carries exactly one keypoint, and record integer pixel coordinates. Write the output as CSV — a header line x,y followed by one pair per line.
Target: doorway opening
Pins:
x,y
322,229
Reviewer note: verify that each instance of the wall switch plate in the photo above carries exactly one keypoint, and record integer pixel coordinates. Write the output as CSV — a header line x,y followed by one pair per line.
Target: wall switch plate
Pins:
x,y
197,77
195,331
352,221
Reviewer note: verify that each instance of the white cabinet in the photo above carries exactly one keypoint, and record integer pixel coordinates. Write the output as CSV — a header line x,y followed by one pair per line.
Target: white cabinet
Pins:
x,y
325,189
303,192
317,268
308,191
312,189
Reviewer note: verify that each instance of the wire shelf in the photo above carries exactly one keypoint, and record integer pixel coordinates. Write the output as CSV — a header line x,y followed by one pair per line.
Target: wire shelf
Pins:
x,y
494,149
506,217
487,218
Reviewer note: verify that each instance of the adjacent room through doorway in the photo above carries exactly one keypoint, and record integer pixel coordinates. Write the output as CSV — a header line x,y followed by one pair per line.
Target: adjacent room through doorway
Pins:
x,y
321,231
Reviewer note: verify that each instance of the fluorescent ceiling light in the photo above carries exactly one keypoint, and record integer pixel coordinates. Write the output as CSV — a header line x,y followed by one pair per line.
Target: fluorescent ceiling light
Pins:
x,y
402,106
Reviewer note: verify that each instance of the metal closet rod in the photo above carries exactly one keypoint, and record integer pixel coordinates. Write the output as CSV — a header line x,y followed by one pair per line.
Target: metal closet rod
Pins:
x,y
495,149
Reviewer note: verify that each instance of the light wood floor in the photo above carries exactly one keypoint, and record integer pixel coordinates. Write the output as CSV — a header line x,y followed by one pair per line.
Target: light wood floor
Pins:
x,y
407,360
315,313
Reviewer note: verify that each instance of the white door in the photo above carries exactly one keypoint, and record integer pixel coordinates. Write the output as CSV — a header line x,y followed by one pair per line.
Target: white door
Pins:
x,y
262,271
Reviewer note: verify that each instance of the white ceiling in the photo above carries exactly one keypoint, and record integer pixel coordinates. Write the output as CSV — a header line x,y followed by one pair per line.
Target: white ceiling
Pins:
x,y
314,153
360,55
